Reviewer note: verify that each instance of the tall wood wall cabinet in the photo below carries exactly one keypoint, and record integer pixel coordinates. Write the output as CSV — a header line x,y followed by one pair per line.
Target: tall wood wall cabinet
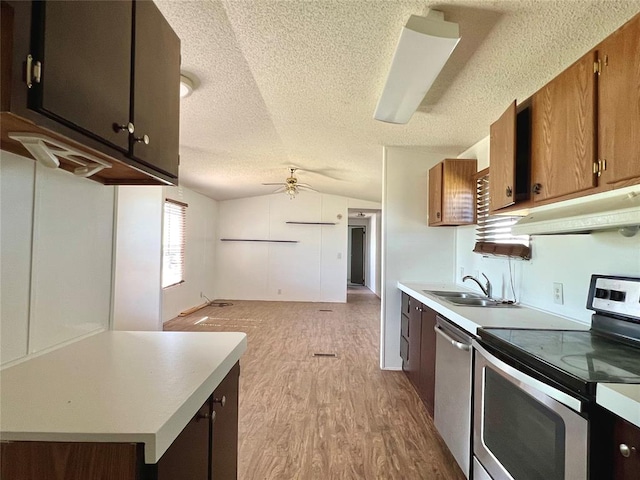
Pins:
x,y
452,192
100,77
583,128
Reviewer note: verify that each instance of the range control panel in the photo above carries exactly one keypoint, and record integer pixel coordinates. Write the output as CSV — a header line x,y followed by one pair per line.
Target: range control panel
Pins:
x,y
615,295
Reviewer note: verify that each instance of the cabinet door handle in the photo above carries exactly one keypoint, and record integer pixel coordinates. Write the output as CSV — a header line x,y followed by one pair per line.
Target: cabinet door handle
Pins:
x,y
129,127
626,451
222,401
537,187
207,416
437,214
143,139
508,192
418,309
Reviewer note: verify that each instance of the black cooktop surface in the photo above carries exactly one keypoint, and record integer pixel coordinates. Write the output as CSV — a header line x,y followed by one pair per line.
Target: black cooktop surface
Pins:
x,y
584,355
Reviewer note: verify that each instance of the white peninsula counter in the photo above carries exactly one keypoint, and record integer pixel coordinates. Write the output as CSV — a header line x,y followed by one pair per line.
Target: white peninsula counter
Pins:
x,y
133,387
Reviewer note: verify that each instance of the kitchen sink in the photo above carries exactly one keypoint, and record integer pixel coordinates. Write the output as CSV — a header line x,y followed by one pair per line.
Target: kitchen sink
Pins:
x,y
478,302
451,294
468,299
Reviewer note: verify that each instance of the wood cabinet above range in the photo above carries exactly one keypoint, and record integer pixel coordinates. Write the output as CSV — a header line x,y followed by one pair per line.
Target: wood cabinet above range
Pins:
x,y
584,130
101,78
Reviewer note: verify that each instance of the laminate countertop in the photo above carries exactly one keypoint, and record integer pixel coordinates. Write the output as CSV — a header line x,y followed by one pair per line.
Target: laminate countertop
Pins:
x,y
473,318
621,399
115,386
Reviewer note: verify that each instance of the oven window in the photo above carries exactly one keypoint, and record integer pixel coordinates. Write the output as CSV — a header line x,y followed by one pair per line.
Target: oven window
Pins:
x,y
526,437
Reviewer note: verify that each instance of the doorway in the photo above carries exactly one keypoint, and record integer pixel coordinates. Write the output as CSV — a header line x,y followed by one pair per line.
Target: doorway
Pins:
x,y
357,255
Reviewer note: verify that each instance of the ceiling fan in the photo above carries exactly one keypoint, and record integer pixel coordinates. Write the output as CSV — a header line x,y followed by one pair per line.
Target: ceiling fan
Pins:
x,y
291,186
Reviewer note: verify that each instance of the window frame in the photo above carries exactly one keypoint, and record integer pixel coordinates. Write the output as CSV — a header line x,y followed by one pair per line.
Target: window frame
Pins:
x,y
174,215
491,240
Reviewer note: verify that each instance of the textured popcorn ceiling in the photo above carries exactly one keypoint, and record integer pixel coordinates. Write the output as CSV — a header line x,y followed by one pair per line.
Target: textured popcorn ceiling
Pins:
x,y
295,83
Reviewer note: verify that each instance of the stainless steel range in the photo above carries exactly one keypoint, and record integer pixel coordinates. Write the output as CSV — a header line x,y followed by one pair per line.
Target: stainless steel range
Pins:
x,y
535,390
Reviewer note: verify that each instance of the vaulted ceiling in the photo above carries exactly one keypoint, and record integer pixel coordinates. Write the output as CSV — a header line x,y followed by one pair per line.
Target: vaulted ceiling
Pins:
x,y
295,83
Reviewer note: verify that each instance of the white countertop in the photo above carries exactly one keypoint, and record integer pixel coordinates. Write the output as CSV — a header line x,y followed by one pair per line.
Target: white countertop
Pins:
x,y
472,318
621,399
140,387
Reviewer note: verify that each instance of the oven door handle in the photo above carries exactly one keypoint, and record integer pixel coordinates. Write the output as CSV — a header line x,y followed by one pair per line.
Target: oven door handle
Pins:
x,y
531,382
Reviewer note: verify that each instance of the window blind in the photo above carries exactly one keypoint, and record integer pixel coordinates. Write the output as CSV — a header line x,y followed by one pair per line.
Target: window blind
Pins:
x,y
173,242
493,232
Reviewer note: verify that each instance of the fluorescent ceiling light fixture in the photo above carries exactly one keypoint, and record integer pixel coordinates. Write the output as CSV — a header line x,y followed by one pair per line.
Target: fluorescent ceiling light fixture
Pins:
x,y
424,47
186,86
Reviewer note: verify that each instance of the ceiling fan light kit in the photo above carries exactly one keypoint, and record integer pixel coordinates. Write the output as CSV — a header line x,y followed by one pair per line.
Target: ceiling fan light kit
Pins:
x,y
291,186
424,47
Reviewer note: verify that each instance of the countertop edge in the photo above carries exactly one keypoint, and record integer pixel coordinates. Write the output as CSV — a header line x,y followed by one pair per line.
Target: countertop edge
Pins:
x,y
621,399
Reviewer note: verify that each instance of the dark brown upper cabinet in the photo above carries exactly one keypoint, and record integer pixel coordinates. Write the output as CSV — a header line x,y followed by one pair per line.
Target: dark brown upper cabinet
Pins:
x,y
510,157
563,133
100,77
452,192
619,105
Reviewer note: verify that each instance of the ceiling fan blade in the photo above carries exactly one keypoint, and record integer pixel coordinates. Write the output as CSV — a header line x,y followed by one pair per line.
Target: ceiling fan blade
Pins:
x,y
323,172
279,183
304,186
279,190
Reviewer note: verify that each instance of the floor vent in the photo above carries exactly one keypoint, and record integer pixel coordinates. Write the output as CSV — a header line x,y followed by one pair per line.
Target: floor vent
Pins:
x,y
325,310
325,355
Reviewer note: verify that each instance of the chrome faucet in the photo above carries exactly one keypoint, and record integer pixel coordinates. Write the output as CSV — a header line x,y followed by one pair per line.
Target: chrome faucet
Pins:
x,y
486,289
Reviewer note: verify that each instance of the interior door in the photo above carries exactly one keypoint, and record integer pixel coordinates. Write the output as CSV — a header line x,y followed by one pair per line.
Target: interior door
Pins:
x,y
85,51
357,255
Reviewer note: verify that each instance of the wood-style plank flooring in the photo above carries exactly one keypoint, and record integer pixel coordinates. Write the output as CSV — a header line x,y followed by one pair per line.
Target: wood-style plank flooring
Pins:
x,y
321,418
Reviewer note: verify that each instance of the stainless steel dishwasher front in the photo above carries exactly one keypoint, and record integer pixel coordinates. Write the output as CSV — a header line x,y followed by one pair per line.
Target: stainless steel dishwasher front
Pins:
x,y
452,409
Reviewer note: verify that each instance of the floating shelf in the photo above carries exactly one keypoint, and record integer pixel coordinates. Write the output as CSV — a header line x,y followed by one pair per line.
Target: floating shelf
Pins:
x,y
256,240
311,223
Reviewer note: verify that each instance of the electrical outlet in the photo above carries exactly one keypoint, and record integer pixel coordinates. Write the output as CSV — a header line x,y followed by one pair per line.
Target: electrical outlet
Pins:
x,y
557,294
461,272
201,295
339,255
279,291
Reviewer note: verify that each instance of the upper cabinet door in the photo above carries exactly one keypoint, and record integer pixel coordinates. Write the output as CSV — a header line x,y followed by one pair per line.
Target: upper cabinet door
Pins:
x,y
503,160
156,91
84,48
619,104
563,132
435,194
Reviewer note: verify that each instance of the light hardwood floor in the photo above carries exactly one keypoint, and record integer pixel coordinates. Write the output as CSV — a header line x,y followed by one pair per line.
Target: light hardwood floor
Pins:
x,y
321,418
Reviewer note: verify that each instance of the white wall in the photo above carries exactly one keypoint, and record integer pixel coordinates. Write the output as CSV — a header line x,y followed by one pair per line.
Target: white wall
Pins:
x,y
567,259
314,269
57,229
138,256
200,264
412,251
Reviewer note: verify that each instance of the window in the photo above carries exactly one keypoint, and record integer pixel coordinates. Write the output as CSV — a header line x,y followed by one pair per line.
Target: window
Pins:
x,y
493,232
173,240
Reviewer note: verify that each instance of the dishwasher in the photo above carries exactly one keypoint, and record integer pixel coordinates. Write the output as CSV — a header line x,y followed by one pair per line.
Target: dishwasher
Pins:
x,y
453,385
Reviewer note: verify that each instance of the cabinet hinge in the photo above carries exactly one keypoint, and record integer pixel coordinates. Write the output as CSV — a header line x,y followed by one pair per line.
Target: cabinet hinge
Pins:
x,y
34,71
597,66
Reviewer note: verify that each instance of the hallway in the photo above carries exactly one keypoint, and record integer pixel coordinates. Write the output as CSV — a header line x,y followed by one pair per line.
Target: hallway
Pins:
x,y
323,417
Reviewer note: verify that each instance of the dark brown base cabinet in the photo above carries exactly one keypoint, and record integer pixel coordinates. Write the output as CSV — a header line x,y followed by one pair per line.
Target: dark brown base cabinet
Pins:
x,y
206,449
418,348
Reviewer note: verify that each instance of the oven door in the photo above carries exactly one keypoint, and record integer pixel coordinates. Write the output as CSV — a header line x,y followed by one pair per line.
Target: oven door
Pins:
x,y
524,428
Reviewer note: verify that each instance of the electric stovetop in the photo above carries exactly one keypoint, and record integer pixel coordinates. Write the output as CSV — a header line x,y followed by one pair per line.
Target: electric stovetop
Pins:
x,y
577,360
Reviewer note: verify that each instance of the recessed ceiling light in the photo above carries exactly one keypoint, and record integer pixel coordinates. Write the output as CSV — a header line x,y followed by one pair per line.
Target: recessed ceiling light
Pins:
x,y
186,86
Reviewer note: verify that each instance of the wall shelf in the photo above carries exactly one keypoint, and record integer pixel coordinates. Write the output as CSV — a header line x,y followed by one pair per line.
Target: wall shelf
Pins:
x,y
256,240
311,223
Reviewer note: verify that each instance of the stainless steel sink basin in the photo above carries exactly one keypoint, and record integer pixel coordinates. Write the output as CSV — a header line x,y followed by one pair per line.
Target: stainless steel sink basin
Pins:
x,y
478,302
451,294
